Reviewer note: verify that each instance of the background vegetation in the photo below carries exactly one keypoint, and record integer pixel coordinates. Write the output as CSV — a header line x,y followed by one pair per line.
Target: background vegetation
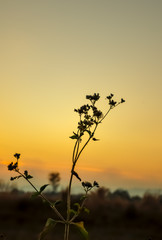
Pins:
x,y
113,215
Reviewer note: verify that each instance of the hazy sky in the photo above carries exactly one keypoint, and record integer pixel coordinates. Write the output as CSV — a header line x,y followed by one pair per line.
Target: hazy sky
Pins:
x,y
53,53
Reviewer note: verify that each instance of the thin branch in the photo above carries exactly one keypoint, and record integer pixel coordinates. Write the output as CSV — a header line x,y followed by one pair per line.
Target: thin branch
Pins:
x,y
82,205
43,197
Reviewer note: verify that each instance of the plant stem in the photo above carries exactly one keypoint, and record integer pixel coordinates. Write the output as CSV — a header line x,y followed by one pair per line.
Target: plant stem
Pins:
x,y
69,192
75,159
76,148
73,218
111,107
105,114
43,197
65,232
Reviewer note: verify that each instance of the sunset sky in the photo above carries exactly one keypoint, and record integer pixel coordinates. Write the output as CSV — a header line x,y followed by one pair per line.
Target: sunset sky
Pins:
x,y
54,53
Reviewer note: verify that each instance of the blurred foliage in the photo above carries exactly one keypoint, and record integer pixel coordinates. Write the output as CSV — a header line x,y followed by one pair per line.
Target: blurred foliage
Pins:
x,y
54,179
112,215
7,186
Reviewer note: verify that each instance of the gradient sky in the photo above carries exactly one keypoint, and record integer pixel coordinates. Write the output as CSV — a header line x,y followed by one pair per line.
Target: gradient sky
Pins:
x,y
53,53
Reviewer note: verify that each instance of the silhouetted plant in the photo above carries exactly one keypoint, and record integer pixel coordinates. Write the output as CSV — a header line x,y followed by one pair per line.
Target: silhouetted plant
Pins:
x,y
90,118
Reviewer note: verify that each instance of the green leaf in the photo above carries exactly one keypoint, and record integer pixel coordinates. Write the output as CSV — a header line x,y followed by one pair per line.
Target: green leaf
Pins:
x,y
35,194
86,210
83,197
78,206
80,227
43,187
72,211
50,224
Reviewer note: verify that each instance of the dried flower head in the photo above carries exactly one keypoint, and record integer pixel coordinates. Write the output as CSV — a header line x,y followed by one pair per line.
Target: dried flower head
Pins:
x,y
17,155
12,166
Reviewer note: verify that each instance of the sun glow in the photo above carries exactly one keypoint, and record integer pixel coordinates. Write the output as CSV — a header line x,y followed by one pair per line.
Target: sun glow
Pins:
x,y
53,59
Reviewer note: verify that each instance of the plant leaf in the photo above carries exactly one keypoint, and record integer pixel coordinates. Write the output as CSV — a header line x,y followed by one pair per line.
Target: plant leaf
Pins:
x,y
35,194
57,202
77,205
95,139
50,224
43,187
83,197
80,227
13,178
72,211
28,177
86,210
74,137
76,175
89,132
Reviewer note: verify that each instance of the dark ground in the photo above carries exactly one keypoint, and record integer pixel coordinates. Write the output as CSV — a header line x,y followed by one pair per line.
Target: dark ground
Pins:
x,y
114,216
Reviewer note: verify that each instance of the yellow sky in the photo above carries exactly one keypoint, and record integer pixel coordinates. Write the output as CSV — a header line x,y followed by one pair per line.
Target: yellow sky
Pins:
x,y
53,53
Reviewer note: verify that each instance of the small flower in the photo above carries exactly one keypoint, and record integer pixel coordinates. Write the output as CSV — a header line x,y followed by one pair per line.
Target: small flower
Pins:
x,y
96,113
110,96
83,109
112,103
122,100
81,126
95,184
95,97
87,116
87,185
12,166
17,155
